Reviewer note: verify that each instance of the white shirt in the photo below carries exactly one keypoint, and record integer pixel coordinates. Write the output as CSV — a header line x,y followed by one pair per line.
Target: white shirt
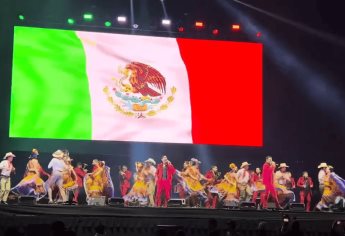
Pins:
x,y
243,176
57,165
321,176
6,168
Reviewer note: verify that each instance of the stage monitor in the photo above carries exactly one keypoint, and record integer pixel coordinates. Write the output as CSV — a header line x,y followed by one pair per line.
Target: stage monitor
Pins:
x,y
81,85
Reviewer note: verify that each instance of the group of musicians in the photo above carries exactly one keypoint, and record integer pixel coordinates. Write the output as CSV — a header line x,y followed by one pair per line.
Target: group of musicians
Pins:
x,y
154,183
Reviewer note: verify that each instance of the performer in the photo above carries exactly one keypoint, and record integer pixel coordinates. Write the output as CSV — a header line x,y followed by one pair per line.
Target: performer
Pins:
x,y
258,186
138,193
334,186
268,180
150,173
57,165
228,186
98,183
7,168
243,182
284,183
33,164
32,184
192,177
181,186
321,176
164,175
125,177
80,171
305,183
69,178
212,193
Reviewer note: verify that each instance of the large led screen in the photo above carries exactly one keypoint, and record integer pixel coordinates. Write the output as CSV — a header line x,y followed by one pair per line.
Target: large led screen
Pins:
x,y
102,86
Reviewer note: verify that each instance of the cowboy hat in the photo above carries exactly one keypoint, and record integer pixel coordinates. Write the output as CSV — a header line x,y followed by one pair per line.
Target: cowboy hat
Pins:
x,y
150,160
245,164
282,165
322,165
195,160
9,154
58,154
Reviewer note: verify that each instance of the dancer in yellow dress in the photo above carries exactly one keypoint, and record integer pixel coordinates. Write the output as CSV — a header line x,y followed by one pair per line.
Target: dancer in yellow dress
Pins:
x,y
138,193
32,183
69,177
228,186
94,181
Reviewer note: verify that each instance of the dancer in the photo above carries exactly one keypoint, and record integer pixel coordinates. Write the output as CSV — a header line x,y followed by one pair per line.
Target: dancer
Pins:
x,y
268,180
181,186
32,183
69,179
334,187
243,182
150,173
258,186
212,192
138,193
80,171
7,168
125,177
192,177
321,176
164,175
57,165
228,186
284,183
305,183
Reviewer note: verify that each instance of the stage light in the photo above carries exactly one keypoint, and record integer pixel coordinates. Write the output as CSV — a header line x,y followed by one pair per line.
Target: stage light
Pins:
x,y
215,31
166,22
21,17
121,19
235,27
70,21
88,17
199,24
135,26
107,24
258,34
180,29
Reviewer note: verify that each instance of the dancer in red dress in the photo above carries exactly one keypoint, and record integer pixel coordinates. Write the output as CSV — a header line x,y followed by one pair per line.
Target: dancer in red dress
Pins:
x,y
125,178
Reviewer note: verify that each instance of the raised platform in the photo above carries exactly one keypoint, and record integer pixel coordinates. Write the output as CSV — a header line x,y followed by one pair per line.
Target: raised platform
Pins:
x,y
144,219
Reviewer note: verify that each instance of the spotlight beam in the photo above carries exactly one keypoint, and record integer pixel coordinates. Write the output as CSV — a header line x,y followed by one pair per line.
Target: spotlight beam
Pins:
x,y
326,36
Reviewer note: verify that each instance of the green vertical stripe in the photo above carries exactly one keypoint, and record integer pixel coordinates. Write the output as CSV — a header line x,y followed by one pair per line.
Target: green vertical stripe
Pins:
x,y
50,91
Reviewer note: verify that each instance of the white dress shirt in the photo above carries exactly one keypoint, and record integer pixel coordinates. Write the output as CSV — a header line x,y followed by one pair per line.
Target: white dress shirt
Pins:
x,y
6,168
243,176
321,176
57,165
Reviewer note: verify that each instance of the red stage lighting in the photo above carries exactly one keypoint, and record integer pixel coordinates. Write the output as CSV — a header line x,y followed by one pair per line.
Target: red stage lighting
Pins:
x,y
215,31
199,24
235,27
180,29
258,34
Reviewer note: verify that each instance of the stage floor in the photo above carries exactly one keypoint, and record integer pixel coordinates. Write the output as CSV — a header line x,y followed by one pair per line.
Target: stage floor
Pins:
x,y
121,219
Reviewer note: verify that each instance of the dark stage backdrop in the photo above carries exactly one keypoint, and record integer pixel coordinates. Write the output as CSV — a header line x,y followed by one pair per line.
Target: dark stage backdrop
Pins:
x,y
304,122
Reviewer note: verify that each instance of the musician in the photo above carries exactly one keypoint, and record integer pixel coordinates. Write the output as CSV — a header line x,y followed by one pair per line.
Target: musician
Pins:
x,y
125,178
243,182
321,176
305,183
212,176
150,173
6,168
164,175
284,183
80,171
268,180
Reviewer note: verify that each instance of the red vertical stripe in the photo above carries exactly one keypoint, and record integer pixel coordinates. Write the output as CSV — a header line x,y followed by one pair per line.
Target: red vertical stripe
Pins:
x,y
225,81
